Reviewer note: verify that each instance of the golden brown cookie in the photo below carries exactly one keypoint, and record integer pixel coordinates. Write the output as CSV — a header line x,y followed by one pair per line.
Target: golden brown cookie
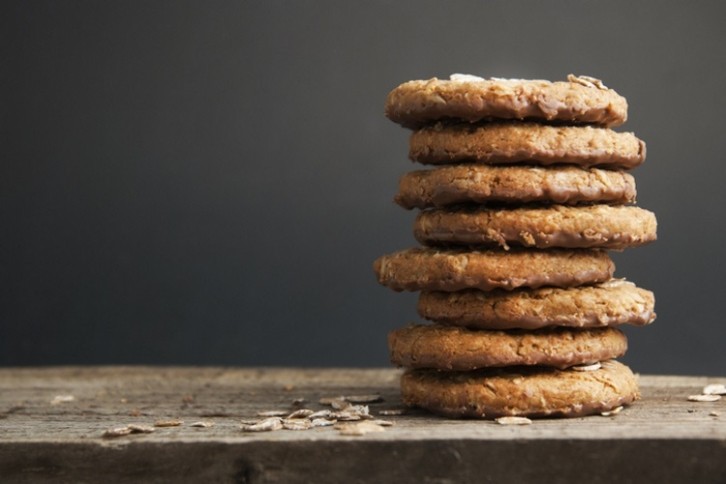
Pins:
x,y
579,100
534,144
453,348
567,185
453,270
533,392
608,304
601,226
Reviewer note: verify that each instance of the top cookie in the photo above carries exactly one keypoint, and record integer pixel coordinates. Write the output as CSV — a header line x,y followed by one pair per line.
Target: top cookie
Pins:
x,y
579,100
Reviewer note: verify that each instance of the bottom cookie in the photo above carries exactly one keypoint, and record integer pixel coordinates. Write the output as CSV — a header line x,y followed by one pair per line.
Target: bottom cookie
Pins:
x,y
532,392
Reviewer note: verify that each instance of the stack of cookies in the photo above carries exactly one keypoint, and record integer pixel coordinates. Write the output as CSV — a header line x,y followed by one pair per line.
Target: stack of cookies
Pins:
x,y
529,190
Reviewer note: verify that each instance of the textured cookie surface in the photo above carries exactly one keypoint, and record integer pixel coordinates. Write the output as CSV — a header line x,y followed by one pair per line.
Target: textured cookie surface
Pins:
x,y
602,226
453,348
608,304
537,144
468,98
453,270
456,184
534,392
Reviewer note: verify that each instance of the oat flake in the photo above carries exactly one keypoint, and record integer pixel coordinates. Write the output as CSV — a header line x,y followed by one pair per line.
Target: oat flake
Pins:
x,y
58,399
302,413
272,413
266,425
614,411
202,424
714,389
359,428
704,398
591,367
116,432
168,423
296,424
514,421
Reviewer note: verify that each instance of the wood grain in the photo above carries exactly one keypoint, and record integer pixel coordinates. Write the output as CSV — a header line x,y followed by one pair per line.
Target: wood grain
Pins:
x,y
662,438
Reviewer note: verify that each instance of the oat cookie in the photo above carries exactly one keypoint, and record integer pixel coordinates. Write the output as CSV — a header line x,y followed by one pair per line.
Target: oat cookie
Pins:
x,y
601,226
533,392
453,348
453,270
535,144
611,303
457,184
579,100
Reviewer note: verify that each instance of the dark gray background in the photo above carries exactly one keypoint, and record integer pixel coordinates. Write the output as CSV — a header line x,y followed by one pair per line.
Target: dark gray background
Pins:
x,y
209,183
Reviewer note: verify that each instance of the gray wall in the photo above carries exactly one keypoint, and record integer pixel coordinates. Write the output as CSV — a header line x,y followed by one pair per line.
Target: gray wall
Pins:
x,y
209,183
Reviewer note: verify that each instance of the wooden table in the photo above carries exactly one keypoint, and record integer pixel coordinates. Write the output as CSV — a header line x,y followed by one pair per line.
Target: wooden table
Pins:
x,y
52,421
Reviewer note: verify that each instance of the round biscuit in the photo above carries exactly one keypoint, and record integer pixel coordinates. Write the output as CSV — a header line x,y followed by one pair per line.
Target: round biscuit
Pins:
x,y
579,100
459,349
611,303
455,269
530,143
461,184
591,226
531,392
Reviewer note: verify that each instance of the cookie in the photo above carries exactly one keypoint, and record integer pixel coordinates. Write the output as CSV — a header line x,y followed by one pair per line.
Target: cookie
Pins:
x,y
456,184
453,270
452,348
536,144
532,392
608,304
601,226
579,100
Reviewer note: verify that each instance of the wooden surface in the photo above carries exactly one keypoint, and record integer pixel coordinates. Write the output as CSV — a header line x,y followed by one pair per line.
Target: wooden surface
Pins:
x,y
47,437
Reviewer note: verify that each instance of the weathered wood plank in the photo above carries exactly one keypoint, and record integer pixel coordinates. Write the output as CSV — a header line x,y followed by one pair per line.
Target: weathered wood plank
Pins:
x,y
44,438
